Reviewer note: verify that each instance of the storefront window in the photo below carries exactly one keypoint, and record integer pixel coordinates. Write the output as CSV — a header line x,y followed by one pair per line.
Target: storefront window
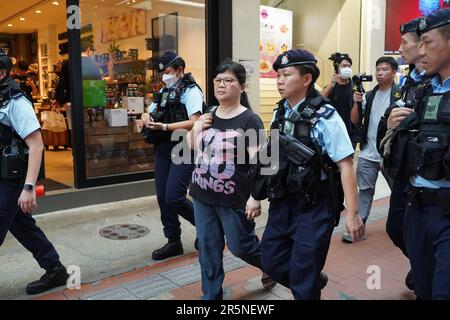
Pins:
x,y
121,41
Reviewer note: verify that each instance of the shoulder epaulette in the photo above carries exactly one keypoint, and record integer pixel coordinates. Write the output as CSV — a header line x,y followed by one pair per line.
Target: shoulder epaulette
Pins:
x,y
325,112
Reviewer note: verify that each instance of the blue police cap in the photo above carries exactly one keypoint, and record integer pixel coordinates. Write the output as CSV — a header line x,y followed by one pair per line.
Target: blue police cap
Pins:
x,y
294,58
166,60
410,26
435,20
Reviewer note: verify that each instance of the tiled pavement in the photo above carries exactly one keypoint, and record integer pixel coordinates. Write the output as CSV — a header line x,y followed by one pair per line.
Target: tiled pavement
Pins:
x,y
347,267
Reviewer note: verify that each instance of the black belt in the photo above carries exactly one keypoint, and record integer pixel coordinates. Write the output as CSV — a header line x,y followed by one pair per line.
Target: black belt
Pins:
x,y
420,197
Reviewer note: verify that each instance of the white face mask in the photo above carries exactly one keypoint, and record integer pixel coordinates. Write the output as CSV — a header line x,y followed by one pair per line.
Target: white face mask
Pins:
x,y
346,73
170,80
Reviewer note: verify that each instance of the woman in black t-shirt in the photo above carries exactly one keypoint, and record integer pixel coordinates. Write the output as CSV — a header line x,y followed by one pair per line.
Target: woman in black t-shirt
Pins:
x,y
224,140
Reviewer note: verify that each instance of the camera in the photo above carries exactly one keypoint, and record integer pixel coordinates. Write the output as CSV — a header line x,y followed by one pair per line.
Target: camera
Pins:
x,y
336,58
358,80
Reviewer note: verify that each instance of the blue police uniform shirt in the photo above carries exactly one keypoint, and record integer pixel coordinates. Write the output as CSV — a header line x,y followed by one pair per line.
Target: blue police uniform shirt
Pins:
x,y
19,114
417,181
416,76
192,98
331,134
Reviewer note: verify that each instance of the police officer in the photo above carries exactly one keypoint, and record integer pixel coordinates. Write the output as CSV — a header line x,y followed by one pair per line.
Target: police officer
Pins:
x,y
427,220
176,107
17,194
300,224
409,50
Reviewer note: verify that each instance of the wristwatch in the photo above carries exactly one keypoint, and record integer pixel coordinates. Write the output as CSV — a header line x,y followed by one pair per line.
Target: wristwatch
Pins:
x,y
28,187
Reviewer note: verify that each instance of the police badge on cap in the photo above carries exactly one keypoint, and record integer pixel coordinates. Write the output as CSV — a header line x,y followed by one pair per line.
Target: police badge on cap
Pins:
x,y
294,58
435,20
166,60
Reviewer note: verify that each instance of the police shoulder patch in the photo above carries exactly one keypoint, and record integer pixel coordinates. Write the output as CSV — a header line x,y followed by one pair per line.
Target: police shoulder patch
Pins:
x,y
325,112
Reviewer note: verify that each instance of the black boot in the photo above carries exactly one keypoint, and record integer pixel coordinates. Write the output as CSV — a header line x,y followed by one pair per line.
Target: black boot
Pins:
x,y
323,280
52,278
171,249
409,281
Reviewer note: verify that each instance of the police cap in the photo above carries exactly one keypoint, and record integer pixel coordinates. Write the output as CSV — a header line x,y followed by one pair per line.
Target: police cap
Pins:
x,y
294,58
410,26
435,20
166,60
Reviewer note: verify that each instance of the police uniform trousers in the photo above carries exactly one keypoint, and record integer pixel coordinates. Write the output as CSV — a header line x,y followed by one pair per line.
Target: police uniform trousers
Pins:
x,y
295,246
396,215
427,238
23,227
172,182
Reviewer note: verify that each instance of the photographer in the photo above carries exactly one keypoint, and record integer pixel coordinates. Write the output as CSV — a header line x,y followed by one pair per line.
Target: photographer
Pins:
x,y
367,111
340,90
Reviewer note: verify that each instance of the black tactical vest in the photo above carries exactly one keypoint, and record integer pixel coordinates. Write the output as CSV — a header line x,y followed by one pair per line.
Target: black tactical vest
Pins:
x,y
169,109
300,181
429,151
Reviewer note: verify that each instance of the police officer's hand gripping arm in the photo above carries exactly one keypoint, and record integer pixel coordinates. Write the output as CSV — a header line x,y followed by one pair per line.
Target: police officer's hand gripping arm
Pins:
x,y
354,224
27,200
253,207
397,116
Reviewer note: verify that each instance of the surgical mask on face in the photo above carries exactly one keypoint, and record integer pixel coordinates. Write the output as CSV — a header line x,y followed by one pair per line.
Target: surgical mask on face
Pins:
x,y
170,80
346,73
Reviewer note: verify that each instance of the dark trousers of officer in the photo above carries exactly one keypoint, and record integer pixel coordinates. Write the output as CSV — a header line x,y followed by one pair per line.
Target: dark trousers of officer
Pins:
x,y
23,227
172,182
295,246
427,238
396,216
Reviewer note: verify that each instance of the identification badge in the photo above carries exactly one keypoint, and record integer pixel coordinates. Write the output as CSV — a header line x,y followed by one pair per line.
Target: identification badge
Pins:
x,y
432,109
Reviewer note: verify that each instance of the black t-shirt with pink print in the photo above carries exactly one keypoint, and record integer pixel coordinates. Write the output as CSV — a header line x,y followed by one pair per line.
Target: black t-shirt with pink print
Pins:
x,y
220,177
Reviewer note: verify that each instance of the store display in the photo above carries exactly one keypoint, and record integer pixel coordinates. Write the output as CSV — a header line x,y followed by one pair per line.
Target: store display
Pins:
x,y
117,117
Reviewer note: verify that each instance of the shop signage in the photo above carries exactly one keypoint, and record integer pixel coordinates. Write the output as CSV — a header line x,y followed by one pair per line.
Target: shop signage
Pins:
x,y
127,25
275,37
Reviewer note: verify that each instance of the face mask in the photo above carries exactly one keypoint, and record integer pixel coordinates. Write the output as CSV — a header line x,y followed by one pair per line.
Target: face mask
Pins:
x,y
346,73
170,80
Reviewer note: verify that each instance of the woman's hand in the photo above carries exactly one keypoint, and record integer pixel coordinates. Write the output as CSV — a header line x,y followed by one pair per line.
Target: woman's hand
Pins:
x,y
146,118
204,122
253,209
27,201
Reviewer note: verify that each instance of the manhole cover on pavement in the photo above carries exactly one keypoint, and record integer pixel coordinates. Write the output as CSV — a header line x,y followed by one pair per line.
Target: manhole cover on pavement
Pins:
x,y
124,232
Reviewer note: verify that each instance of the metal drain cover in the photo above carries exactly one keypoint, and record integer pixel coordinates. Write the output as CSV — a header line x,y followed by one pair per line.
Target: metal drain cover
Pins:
x,y
124,232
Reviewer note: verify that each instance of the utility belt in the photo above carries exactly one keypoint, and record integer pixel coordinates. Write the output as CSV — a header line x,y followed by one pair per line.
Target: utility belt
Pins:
x,y
299,179
421,197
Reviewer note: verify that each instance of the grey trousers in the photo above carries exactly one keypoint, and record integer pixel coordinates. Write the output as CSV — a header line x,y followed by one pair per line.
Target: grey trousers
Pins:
x,y
367,174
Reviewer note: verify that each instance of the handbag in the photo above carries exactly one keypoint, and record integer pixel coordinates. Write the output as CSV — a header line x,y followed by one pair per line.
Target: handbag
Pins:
x,y
54,121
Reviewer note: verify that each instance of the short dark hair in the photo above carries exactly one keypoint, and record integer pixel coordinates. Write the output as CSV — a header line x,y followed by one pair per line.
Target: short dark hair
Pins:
x,y
347,59
389,60
179,62
23,65
240,73
311,69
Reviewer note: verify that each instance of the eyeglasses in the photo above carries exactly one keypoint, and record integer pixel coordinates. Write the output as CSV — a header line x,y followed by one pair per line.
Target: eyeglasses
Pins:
x,y
226,81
